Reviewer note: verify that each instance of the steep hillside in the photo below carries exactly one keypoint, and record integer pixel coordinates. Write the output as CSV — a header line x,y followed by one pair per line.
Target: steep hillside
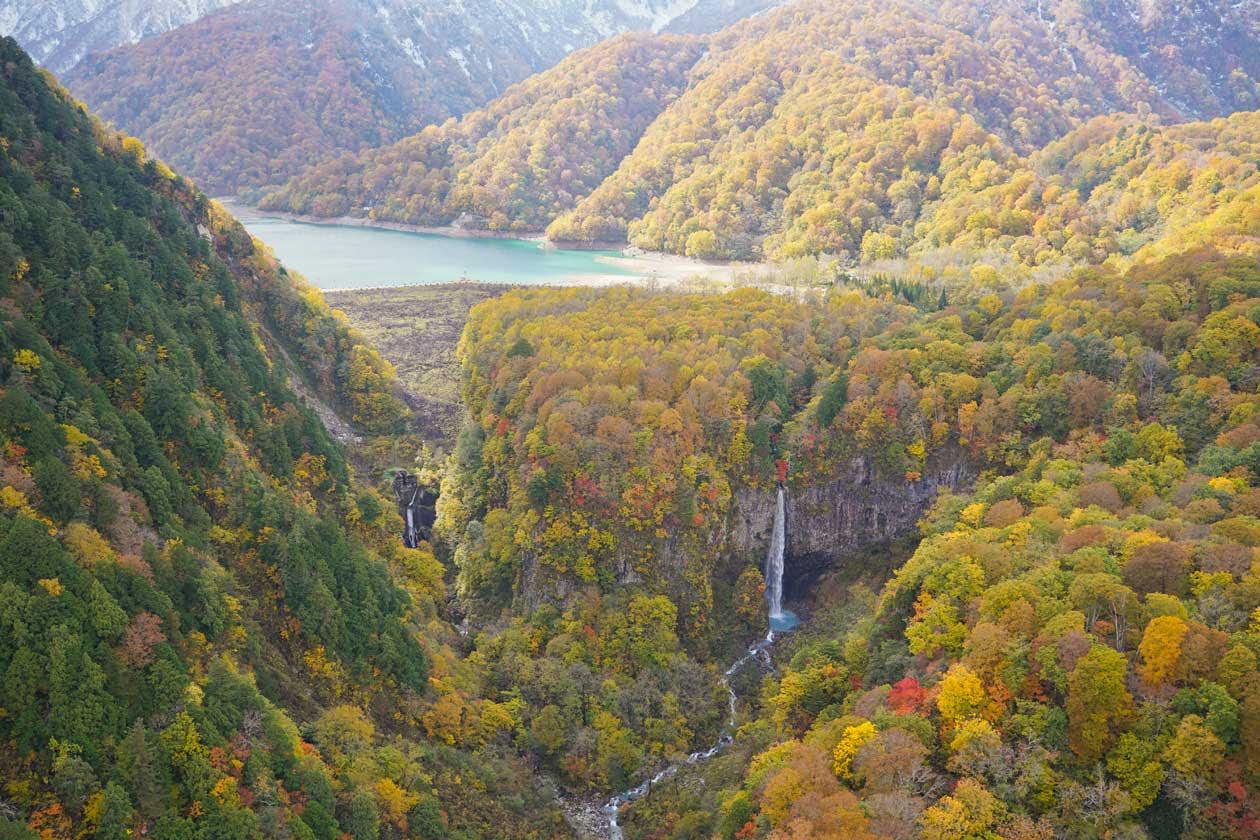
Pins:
x,y
61,33
207,627
712,15
251,95
518,162
910,104
818,128
1201,55
1071,651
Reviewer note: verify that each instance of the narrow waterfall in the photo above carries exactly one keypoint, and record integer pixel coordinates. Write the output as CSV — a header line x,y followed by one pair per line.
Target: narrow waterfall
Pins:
x,y
781,621
774,560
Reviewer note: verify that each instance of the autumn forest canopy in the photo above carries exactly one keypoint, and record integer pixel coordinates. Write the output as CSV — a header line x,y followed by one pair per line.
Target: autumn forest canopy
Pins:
x,y
1004,363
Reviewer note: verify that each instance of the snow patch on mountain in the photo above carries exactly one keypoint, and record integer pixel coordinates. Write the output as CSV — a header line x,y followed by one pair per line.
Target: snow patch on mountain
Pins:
x,y
60,33
658,14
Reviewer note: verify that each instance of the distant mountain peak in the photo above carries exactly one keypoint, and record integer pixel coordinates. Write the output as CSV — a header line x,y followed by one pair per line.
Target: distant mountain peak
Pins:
x,y
61,33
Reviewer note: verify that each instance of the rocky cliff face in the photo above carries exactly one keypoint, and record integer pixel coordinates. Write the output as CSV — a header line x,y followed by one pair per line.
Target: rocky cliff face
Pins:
x,y
855,512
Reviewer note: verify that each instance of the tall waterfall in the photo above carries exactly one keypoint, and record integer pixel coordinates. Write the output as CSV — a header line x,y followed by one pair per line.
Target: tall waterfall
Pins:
x,y
774,561
781,620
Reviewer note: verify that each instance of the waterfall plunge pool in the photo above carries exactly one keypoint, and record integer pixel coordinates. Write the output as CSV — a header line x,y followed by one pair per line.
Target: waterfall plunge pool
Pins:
x,y
783,622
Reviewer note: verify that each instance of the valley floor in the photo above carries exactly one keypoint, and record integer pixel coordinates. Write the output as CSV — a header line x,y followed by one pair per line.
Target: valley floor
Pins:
x,y
417,328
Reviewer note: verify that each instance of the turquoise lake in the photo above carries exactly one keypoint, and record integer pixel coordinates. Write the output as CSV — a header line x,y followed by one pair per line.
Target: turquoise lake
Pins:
x,y
351,257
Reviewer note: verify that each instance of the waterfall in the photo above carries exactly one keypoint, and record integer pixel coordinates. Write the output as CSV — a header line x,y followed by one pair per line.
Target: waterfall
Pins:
x,y
781,621
774,561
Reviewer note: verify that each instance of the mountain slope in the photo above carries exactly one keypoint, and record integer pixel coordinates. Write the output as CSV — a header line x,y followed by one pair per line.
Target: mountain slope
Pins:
x,y
1071,649
1201,55
188,568
252,94
832,128
712,15
887,91
518,162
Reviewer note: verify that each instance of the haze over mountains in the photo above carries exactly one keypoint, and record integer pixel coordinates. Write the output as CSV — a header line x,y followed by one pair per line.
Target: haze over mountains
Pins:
x,y
61,33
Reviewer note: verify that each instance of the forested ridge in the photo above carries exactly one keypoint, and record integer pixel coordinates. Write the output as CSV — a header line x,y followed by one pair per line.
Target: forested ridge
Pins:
x,y
517,163
1019,276
207,625
850,129
251,95
1071,649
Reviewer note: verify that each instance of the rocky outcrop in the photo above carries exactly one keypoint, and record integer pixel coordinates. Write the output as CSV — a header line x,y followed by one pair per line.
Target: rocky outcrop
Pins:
x,y
855,512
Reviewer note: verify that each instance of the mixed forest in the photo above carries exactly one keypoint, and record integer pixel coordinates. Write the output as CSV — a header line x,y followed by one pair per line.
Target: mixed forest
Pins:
x,y
857,130
523,159
1015,249
1069,652
208,628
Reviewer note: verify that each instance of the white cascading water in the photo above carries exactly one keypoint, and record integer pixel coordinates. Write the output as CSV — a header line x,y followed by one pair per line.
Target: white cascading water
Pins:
x,y
781,621
774,561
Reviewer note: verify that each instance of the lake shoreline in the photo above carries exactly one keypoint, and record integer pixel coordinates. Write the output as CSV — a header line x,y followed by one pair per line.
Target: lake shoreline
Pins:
x,y
640,267
377,224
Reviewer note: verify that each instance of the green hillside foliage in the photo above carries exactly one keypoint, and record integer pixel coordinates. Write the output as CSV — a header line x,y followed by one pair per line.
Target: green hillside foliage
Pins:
x,y
1071,652
1015,247
848,128
207,629
520,161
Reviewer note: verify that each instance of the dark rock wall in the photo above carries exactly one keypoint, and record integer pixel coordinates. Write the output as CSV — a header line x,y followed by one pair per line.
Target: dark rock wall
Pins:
x,y
856,512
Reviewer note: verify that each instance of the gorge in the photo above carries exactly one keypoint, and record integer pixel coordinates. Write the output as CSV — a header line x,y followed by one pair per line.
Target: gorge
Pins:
x,y
987,442
780,621
853,512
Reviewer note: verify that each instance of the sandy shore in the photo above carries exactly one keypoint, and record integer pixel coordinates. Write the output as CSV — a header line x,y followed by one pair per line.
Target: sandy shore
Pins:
x,y
668,270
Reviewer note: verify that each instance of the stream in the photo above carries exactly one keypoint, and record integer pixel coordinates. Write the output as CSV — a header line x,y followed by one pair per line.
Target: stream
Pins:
x,y
780,620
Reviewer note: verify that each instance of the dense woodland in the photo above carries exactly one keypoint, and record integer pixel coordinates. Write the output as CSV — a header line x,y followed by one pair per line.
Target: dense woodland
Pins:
x,y
855,130
256,93
1029,257
207,626
519,162
612,431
